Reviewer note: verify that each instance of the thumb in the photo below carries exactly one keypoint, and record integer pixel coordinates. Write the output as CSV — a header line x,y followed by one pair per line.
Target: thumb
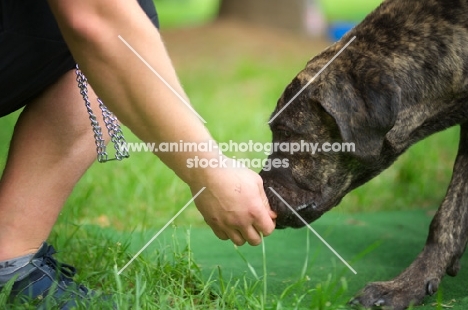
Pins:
x,y
265,201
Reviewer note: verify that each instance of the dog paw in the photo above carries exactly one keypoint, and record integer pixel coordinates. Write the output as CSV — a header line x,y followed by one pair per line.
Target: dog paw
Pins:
x,y
394,295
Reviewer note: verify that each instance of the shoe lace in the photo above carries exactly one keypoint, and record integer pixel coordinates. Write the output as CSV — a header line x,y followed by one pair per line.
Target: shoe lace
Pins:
x,y
65,272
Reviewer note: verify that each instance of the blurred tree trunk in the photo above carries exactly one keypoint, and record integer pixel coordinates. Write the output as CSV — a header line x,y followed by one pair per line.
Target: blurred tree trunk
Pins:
x,y
285,14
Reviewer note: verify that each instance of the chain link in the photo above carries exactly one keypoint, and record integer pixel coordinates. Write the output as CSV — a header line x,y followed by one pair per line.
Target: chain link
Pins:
x,y
115,132
111,122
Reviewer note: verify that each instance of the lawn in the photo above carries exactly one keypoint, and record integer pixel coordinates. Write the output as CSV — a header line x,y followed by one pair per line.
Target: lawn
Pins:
x,y
234,74
179,13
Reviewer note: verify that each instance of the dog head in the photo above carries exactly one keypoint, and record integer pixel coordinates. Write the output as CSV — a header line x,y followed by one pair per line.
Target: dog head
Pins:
x,y
345,112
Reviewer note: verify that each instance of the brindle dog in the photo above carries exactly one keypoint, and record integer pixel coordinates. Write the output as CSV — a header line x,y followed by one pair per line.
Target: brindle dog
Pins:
x,y
403,78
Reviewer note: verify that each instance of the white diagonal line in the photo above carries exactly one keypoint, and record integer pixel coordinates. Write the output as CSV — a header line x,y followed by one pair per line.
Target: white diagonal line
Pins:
x,y
160,231
311,80
313,230
161,78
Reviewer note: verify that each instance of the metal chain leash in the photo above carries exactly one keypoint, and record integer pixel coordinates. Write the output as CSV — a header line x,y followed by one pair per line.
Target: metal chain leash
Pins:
x,y
115,132
111,122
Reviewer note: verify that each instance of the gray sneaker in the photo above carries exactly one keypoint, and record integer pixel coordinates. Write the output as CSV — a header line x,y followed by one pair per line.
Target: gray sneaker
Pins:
x,y
49,284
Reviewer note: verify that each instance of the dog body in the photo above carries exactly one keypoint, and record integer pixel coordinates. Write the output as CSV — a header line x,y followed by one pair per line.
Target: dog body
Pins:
x,y
403,78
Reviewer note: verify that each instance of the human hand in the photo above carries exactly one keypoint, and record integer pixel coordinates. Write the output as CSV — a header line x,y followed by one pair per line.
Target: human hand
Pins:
x,y
234,204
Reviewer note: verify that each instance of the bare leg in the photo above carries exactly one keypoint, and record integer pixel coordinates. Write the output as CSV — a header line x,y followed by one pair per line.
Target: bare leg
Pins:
x,y
52,147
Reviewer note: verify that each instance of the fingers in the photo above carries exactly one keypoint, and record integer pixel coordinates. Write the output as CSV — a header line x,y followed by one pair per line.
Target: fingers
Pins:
x,y
261,223
242,215
264,198
220,234
239,235
252,236
265,225
265,221
249,234
236,238
227,234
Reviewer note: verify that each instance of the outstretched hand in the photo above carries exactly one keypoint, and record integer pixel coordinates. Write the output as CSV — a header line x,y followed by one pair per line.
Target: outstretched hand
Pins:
x,y
234,204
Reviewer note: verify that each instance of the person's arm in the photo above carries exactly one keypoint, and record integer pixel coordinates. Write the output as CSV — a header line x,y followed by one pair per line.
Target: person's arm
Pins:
x,y
234,203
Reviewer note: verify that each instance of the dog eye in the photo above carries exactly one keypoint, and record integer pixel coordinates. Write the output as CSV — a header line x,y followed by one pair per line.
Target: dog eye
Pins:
x,y
284,133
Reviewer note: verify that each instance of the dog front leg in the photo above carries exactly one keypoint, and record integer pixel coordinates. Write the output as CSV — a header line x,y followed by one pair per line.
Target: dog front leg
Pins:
x,y
448,236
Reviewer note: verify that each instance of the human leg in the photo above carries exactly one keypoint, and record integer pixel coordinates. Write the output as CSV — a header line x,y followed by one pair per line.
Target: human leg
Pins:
x,y
52,147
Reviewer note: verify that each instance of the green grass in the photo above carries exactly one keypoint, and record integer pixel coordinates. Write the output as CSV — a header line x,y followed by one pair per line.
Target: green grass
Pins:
x,y
349,11
115,205
177,13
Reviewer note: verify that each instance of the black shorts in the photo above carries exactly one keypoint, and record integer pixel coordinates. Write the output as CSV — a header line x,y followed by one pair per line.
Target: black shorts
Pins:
x,y
33,54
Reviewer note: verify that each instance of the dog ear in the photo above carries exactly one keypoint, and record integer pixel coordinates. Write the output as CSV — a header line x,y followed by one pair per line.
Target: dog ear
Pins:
x,y
364,111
